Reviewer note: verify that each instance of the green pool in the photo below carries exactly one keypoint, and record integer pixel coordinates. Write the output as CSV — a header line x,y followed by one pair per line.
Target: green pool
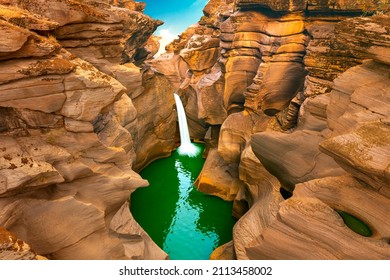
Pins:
x,y
185,223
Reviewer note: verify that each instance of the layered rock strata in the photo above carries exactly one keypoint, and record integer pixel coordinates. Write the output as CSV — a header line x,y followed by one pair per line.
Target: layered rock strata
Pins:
x,y
70,133
339,137
298,98
292,97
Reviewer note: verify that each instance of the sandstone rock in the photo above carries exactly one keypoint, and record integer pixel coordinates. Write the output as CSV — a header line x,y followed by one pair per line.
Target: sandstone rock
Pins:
x,y
19,172
218,178
324,59
82,105
235,133
347,99
323,239
67,12
240,71
364,153
101,34
152,46
313,113
172,66
156,120
113,134
126,114
178,44
274,149
277,95
215,12
327,237
78,126
12,70
258,218
82,131
45,239
25,19
37,119
369,37
358,121
67,129
12,248
244,21
256,178
19,42
310,5
224,252
348,194
296,5
124,224
342,111
14,38
210,97
201,52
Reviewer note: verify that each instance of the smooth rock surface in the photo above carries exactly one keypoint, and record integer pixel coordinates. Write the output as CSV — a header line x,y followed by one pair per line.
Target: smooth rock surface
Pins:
x,y
69,129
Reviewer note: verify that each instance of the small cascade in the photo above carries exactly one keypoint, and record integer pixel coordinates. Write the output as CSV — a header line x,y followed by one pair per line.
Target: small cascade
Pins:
x,y
186,147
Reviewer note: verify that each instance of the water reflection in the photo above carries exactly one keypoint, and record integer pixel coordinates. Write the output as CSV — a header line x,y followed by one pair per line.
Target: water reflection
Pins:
x,y
187,224
185,229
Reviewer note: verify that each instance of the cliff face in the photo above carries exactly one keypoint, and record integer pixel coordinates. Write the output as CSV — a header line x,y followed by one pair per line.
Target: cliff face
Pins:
x,y
292,97
75,103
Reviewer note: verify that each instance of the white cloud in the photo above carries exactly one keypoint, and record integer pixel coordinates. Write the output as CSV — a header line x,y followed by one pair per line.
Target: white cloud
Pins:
x,y
166,38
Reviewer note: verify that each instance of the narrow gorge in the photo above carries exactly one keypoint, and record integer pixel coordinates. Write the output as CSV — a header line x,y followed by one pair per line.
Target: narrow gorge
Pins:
x,y
291,99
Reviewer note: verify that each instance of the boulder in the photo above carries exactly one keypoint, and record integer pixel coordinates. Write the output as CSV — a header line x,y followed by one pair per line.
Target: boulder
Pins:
x,y
218,178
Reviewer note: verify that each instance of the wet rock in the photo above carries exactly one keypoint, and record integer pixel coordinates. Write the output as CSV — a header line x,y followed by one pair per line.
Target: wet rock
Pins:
x,y
218,178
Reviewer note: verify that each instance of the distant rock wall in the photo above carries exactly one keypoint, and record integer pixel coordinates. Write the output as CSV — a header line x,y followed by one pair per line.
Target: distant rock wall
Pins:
x,y
77,114
294,102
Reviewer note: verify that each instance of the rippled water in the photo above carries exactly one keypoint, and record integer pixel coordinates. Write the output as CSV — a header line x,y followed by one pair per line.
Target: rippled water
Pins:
x,y
184,222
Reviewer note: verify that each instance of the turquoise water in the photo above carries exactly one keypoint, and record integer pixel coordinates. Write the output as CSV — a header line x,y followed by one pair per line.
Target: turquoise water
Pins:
x,y
355,224
185,223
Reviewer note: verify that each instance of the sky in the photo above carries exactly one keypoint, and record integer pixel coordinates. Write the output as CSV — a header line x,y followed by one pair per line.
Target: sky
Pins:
x,y
176,14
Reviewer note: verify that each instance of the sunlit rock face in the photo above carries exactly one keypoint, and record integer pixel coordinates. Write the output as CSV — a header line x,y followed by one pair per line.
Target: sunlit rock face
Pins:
x,y
298,96
218,178
310,5
12,248
156,119
291,95
343,135
70,132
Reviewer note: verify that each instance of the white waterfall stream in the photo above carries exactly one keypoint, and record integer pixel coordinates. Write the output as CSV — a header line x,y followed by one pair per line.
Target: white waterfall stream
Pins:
x,y
186,147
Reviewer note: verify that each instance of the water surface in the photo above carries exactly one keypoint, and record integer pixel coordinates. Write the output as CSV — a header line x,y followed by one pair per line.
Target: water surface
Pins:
x,y
185,223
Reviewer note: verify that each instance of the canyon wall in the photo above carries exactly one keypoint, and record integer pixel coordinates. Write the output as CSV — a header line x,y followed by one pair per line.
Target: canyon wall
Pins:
x,y
79,111
292,98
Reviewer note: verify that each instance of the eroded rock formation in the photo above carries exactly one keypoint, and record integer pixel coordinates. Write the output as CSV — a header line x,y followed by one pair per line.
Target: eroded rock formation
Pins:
x,y
291,97
75,120
296,107
12,248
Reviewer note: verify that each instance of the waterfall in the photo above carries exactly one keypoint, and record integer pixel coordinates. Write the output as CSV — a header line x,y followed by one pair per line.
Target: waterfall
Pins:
x,y
186,147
